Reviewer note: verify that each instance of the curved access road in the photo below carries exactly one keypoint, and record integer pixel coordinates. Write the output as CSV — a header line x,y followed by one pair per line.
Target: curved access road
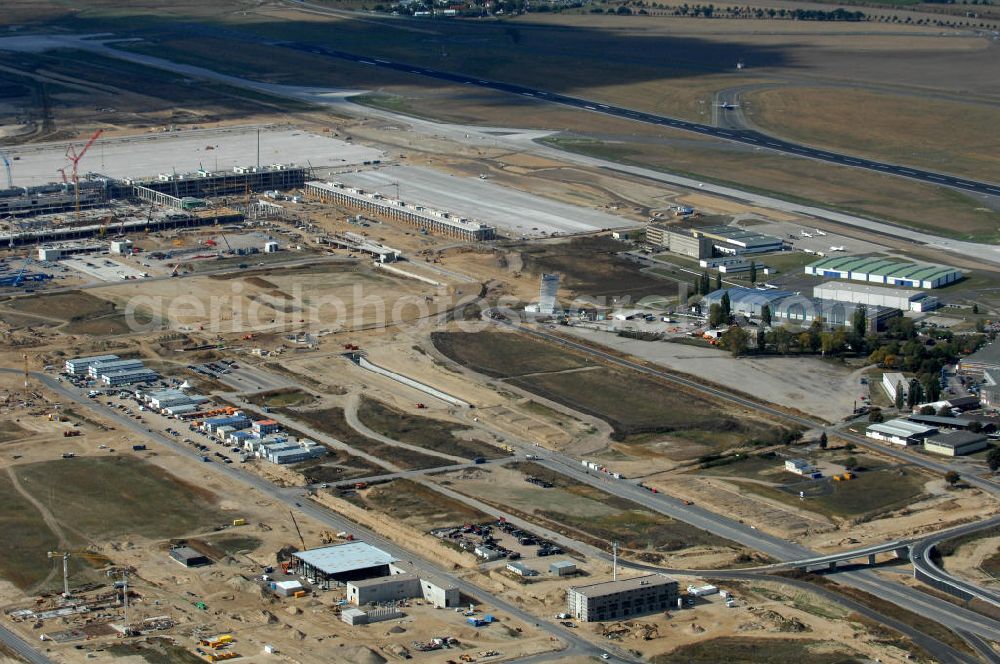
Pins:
x,y
929,572
748,137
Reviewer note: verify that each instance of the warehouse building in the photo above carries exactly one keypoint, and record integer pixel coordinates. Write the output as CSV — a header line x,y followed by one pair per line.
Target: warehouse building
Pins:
x,y
985,359
877,296
619,600
786,306
188,557
80,366
956,443
882,271
383,589
805,310
434,221
956,423
900,432
732,240
679,241
332,566
747,301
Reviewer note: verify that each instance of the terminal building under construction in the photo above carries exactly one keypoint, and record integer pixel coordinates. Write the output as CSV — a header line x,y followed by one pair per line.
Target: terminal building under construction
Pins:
x,y
183,193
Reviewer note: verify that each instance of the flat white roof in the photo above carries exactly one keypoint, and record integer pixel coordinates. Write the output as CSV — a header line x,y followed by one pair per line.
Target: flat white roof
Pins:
x,y
346,557
900,427
623,585
909,293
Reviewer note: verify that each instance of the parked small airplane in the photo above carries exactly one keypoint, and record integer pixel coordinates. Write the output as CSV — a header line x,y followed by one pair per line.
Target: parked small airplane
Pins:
x,y
818,231
804,234
727,106
836,249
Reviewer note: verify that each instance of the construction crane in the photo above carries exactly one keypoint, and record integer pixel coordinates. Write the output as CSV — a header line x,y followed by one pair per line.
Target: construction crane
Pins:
x,y
226,240
296,524
62,171
6,165
65,558
74,158
65,555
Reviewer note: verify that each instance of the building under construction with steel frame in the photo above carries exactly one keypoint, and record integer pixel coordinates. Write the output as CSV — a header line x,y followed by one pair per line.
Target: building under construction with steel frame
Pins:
x,y
433,221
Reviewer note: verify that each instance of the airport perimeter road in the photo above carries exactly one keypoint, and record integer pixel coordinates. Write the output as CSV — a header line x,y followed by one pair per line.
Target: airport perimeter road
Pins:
x,y
746,137
301,503
21,648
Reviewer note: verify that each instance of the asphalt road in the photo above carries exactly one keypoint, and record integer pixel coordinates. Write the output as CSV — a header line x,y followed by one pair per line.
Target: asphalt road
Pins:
x,y
921,558
745,136
298,500
22,648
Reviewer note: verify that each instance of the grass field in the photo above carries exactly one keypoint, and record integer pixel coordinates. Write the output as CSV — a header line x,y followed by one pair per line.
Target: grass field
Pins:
x,y
26,539
609,393
337,466
92,500
585,512
69,306
872,492
757,650
331,421
282,398
900,128
109,497
840,188
590,268
426,432
418,506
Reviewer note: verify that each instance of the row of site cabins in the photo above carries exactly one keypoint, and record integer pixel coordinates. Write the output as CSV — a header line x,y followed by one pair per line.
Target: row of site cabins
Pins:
x,y
601,469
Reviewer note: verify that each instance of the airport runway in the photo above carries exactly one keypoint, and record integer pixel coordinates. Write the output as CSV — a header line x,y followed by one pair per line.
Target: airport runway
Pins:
x,y
746,137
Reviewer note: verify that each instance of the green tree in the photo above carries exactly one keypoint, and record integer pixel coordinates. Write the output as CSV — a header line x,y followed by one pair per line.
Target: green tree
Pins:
x,y
727,307
737,340
765,315
823,441
753,272
761,338
706,282
718,280
900,395
859,322
715,315
993,459
875,415
975,309
952,478
932,387
915,394
850,463
980,325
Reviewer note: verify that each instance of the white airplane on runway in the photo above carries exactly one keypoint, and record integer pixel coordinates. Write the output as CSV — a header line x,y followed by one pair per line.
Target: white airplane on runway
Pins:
x,y
804,234
818,231
837,248
727,106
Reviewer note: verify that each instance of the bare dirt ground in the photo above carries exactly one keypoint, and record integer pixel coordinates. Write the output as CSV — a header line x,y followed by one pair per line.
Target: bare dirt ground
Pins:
x,y
819,388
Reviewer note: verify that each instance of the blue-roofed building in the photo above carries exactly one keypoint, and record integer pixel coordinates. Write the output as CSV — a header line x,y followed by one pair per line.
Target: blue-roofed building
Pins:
x,y
332,566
